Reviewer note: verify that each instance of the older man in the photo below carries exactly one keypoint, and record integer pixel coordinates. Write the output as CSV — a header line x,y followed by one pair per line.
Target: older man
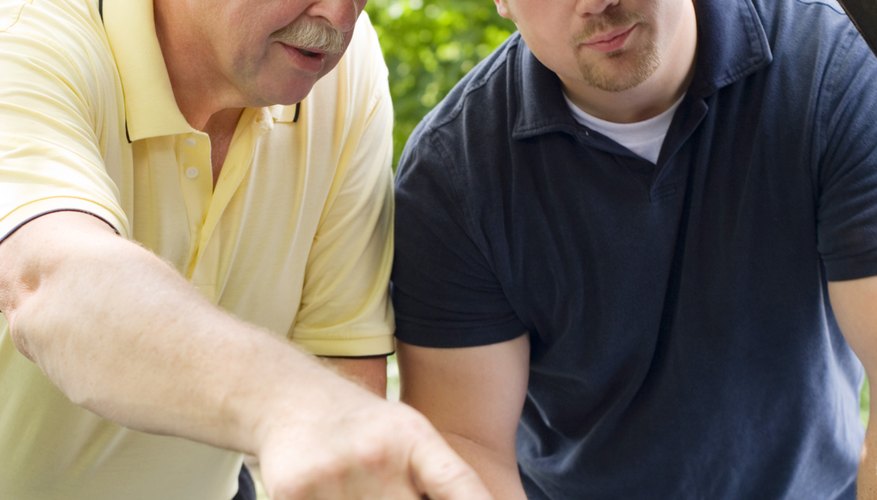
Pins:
x,y
178,194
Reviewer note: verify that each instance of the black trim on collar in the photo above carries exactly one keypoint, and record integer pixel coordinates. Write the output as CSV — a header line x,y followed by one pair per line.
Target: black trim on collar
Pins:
x,y
100,10
297,109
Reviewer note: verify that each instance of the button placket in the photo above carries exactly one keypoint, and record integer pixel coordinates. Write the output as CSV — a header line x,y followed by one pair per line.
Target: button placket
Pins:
x,y
196,187
194,159
191,158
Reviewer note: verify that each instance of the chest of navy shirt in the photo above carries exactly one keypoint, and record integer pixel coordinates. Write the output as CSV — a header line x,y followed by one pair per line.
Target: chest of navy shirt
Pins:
x,y
682,340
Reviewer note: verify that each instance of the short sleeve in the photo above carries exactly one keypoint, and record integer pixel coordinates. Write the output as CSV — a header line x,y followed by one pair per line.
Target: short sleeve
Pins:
x,y
847,195
345,308
446,291
51,78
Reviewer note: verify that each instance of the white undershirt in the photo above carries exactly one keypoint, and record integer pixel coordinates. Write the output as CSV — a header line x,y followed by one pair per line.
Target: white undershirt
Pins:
x,y
643,138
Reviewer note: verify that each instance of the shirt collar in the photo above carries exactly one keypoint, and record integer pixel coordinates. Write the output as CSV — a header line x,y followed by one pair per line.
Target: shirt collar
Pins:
x,y
150,107
731,46
286,114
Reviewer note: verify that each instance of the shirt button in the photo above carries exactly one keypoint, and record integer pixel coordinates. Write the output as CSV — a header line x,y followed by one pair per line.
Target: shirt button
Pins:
x,y
191,142
192,172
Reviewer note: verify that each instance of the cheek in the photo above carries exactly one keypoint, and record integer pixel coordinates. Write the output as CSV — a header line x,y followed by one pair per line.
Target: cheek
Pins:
x,y
251,45
246,57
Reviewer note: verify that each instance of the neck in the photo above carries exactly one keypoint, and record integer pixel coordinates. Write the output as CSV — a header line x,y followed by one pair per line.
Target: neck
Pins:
x,y
197,91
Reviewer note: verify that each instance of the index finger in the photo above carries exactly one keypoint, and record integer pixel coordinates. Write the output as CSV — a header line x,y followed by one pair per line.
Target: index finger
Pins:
x,y
440,474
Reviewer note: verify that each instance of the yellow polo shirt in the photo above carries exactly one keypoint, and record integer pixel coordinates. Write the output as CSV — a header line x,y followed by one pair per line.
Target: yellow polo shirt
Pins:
x,y
296,236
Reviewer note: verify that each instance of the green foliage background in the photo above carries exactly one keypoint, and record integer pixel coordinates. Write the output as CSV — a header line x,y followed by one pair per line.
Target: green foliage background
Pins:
x,y
429,45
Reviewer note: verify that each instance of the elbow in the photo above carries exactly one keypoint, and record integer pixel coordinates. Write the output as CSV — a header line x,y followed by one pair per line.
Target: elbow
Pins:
x,y
26,263
19,283
16,295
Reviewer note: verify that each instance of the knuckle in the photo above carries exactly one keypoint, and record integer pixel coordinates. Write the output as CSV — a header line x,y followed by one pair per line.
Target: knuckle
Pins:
x,y
372,455
411,421
453,472
328,471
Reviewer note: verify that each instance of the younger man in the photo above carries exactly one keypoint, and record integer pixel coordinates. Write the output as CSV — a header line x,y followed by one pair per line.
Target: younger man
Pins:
x,y
629,242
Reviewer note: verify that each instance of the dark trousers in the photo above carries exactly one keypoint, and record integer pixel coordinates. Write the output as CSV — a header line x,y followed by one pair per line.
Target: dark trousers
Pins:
x,y
246,486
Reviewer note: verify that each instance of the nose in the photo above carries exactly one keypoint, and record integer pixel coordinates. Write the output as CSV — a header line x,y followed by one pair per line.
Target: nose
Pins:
x,y
586,8
342,14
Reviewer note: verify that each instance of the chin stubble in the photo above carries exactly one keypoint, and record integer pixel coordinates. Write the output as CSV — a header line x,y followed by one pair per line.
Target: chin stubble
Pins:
x,y
627,77
643,66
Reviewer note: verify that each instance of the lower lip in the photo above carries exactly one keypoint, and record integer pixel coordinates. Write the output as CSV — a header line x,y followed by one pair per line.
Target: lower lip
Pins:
x,y
613,44
305,63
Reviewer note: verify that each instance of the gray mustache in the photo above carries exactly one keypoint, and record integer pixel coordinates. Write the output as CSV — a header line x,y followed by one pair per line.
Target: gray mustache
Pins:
x,y
313,35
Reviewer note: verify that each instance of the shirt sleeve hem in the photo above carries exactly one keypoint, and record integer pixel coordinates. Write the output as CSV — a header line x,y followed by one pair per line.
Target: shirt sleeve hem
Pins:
x,y
450,338
843,270
23,214
360,347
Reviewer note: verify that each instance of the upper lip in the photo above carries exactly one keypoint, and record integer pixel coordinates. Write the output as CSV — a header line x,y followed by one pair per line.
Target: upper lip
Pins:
x,y
312,50
319,52
609,35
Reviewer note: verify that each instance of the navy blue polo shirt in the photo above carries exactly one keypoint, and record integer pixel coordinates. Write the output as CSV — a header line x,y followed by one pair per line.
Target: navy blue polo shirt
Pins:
x,y
683,344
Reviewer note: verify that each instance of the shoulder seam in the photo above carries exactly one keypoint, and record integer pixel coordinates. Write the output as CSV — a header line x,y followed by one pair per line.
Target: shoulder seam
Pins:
x,y
476,84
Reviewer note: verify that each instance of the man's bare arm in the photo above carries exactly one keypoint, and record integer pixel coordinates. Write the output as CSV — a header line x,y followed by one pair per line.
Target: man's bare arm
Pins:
x,y
370,372
855,306
122,334
474,396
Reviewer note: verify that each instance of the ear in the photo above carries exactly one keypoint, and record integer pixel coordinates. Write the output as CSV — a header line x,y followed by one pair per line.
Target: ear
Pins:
x,y
503,9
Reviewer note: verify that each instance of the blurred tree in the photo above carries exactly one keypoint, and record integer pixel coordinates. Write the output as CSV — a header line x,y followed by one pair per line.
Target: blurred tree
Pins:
x,y
429,46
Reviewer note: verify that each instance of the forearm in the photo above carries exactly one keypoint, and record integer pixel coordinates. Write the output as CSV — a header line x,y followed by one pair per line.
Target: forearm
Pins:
x,y
853,304
866,483
122,334
369,372
474,397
